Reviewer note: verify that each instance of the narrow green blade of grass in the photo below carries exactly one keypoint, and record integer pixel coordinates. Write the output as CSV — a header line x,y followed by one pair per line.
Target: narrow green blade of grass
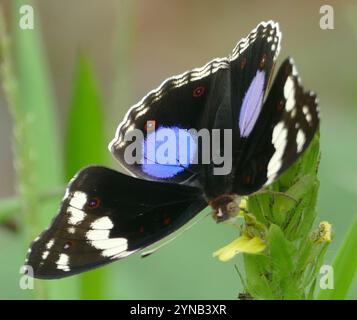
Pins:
x,y
85,145
123,83
344,266
39,164
36,100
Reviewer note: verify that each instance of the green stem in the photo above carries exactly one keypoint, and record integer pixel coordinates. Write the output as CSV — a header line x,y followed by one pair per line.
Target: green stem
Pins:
x,y
22,155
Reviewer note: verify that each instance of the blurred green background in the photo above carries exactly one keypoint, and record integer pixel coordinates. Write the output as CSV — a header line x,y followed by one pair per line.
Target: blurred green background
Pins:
x,y
132,46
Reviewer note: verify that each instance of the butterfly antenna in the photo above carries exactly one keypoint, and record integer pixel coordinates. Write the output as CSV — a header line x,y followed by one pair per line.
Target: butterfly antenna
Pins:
x,y
179,233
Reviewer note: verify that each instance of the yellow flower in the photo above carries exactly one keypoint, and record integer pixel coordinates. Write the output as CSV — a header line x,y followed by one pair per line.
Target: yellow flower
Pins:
x,y
243,207
324,232
244,244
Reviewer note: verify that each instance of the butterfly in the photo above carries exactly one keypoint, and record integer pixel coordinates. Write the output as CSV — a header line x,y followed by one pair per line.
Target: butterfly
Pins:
x,y
106,215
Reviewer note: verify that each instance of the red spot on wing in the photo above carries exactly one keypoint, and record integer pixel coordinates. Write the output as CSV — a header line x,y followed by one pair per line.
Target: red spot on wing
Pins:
x,y
94,203
263,61
248,179
198,91
68,245
167,221
243,62
150,125
280,105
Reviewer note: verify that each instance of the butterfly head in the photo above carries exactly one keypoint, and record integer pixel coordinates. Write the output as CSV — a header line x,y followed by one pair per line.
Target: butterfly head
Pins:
x,y
225,207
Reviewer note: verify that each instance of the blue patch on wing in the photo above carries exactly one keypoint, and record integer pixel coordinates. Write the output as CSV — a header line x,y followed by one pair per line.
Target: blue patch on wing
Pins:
x,y
168,151
252,104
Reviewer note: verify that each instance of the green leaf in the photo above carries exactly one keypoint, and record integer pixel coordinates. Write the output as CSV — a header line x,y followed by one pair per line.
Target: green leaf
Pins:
x,y
309,212
86,145
344,266
260,205
281,251
257,283
317,258
85,137
296,191
305,251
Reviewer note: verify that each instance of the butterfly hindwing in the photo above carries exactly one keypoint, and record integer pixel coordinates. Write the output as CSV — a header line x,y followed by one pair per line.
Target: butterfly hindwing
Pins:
x,y
286,125
106,216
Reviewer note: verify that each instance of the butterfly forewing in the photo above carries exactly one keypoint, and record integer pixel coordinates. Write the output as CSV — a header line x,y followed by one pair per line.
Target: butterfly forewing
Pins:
x,y
209,97
251,65
178,103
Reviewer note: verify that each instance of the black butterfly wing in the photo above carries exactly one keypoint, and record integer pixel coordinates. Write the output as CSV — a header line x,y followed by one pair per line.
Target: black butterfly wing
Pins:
x,y
251,65
105,216
196,99
285,128
178,104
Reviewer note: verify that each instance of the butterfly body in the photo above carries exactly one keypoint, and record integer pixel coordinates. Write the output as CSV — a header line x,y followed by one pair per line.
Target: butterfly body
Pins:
x,y
233,131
